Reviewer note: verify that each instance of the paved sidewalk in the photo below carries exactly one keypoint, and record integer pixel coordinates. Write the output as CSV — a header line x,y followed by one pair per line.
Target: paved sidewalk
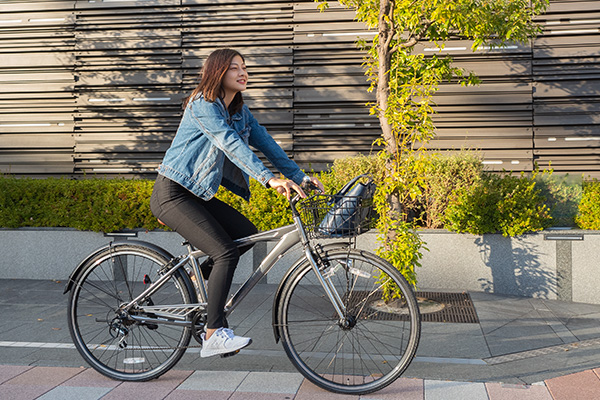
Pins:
x,y
520,349
60,383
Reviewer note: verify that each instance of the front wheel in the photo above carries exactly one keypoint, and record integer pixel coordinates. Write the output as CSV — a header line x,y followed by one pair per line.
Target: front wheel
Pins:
x,y
371,345
112,342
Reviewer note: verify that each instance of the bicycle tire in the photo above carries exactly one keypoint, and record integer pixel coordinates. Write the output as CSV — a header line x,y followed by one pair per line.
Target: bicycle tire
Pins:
x,y
370,348
114,277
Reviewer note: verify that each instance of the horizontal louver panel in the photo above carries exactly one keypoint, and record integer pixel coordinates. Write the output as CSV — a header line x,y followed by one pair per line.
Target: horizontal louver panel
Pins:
x,y
97,86
37,84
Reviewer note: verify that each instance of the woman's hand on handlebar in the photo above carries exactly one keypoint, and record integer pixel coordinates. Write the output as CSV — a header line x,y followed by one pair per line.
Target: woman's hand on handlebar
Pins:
x,y
286,187
314,183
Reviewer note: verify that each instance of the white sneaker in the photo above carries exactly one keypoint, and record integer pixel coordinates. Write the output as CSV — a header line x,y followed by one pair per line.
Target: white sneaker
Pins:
x,y
223,341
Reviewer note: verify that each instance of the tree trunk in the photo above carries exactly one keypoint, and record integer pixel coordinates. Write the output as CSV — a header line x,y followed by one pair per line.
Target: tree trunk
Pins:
x,y
383,77
383,91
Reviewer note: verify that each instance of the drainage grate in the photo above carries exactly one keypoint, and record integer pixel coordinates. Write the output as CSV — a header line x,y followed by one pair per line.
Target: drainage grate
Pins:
x,y
458,308
434,307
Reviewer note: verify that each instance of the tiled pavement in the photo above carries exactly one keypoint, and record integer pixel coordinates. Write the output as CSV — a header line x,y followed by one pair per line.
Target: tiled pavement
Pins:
x,y
66,383
520,349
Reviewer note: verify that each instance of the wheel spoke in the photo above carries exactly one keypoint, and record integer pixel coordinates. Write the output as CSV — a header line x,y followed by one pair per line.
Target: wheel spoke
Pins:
x,y
117,346
367,350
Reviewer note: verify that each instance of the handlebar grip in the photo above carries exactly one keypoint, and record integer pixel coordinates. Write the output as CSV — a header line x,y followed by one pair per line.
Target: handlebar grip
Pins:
x,y
308,185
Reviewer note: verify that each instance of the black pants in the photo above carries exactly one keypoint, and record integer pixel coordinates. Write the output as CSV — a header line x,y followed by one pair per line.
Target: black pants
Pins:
x,y
210,226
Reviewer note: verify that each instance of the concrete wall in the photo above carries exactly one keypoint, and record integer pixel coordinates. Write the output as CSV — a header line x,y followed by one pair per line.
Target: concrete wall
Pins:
x,y
552,264
52,253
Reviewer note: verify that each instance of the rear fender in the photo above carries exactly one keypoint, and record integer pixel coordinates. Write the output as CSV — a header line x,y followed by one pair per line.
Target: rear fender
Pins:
x,y
77,271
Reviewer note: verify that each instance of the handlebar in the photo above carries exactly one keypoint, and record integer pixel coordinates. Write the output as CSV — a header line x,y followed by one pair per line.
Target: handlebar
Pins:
x,y
306,185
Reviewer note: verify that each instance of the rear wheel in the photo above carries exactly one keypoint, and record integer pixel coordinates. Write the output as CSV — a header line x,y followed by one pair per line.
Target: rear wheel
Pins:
x,y
113,343
371,345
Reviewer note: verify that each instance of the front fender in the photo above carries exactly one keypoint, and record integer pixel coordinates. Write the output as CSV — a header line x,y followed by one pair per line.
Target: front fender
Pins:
x,y
276,300
75,274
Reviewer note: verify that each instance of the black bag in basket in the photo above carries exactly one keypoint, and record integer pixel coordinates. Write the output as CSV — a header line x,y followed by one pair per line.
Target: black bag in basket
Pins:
x,y
351,206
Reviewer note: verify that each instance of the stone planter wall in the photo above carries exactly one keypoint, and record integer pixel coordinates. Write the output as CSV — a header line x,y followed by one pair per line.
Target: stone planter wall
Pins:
x,y
552,264
557,264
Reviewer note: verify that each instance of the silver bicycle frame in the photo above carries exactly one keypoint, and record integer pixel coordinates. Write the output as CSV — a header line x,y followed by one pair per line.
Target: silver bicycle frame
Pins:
x,y
290,236
286,237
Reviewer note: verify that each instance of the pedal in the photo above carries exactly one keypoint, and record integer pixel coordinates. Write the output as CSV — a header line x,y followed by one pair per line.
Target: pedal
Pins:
x,y
226,355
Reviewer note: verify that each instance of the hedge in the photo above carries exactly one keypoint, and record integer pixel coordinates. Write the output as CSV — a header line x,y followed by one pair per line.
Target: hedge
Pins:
x,y
89,204
457,195
512,205
588,216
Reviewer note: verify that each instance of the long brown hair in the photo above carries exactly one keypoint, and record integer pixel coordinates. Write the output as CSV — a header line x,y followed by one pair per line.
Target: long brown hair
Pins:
x,y
211,79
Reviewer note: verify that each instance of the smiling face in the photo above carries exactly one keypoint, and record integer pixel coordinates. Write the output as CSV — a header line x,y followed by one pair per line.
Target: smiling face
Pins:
x,y
236,77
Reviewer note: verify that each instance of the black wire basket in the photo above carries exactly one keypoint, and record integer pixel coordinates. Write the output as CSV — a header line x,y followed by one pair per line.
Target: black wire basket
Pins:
x,y
326,216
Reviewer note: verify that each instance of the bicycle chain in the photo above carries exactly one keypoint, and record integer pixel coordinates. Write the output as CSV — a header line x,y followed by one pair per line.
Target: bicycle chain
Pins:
x,y
194,320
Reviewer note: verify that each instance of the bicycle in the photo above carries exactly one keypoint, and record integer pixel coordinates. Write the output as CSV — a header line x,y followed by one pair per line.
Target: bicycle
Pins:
x,y
133,307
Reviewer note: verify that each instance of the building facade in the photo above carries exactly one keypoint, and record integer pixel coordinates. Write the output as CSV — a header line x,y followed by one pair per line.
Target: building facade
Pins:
x,y
95,87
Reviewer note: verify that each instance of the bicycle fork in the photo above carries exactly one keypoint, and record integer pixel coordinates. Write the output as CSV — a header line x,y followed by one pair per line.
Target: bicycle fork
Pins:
x,y
327,285
325,281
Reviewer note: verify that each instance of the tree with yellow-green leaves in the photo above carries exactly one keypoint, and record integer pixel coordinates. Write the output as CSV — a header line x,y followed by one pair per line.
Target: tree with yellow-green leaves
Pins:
x,y
405,82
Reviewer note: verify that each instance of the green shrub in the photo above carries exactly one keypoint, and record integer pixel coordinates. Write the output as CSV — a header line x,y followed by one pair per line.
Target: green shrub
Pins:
x,y
563,195
345,169
455,194
108,205
445,174
266,209
473,209
588,216
509,204
91,204
441,174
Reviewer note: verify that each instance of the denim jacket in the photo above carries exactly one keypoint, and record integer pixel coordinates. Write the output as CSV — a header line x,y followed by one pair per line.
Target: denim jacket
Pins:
x,y
212,148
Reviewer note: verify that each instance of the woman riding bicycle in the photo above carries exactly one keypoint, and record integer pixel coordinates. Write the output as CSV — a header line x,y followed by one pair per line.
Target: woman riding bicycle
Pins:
x,y
210,149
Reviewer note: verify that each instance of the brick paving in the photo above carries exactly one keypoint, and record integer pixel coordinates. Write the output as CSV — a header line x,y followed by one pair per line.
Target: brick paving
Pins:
x,y
580,386
60,383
